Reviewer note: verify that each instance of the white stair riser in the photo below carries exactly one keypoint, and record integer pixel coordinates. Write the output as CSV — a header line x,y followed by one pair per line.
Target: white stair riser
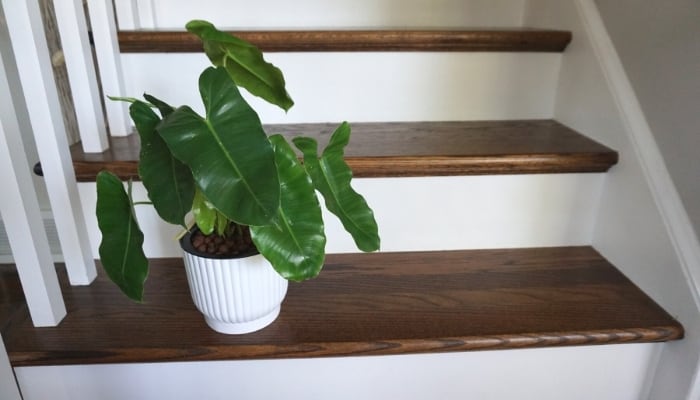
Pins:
x,y
610,372
436,213
174,14
374,86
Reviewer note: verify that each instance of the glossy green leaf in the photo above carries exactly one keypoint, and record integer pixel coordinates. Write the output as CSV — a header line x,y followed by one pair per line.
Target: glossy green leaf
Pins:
x,y
244,63
295,243
208,218
204,213
228,152
121,249
168,181
332,176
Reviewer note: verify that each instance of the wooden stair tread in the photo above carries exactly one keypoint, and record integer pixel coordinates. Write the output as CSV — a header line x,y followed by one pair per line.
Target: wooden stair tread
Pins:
x,y
417,149
361,304
531,40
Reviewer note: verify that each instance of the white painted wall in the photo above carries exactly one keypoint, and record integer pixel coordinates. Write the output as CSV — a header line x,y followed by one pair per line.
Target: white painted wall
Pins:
x,y
571,373
659,46
363,87
446,213
173,14
641,225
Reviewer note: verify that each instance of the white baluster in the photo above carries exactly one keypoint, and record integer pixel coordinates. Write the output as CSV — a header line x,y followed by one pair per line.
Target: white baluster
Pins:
x,y
104,33
8,385
127,14
18,204
146,14
26,34
135,14
72,26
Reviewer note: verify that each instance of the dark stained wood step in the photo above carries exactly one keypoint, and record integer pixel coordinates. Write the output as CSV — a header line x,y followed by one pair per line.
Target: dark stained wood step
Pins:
x,y
531,40
418,149
362,304
11,298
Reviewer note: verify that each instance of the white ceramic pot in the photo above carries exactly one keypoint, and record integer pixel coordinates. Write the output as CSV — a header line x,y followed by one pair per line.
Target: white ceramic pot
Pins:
x,y
236,295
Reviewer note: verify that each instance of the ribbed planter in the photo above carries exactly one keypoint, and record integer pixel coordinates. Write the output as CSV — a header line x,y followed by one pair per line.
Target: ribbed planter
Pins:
x,y
236,295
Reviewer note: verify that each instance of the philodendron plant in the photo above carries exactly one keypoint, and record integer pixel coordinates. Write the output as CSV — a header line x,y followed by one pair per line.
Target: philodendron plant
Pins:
x,y
222,169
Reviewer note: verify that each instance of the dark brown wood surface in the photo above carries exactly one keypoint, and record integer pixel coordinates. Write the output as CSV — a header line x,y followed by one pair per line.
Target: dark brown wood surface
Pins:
x,y
532,40
366,304
11,299
418,149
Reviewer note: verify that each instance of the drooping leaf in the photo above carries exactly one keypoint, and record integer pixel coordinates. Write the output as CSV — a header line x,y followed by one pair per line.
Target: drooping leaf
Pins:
x,y
244,63
228,152
164,108
124,99
204,213
295,243
168,181
121,249
332,176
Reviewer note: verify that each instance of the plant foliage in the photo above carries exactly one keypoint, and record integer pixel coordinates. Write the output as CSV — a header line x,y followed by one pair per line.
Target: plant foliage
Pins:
x,y
121,247
222,168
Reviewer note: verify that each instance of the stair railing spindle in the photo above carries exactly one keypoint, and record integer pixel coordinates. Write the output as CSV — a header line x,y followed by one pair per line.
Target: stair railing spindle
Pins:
x,y
104,32
72,25
28,41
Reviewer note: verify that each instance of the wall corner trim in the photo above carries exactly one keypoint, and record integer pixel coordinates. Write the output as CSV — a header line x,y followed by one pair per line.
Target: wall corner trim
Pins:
x,y
675,217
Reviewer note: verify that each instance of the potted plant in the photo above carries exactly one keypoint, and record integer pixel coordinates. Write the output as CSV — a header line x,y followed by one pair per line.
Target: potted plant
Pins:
x,y
257,217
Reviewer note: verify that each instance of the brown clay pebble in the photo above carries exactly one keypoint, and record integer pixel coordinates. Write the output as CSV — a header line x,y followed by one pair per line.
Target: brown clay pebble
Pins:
x,y
236,241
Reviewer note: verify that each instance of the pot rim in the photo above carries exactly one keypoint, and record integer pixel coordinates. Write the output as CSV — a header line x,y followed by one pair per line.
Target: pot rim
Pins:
x,y
186,245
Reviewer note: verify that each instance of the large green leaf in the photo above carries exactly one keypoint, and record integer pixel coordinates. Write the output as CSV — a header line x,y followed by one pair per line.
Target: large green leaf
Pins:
x,y
332,176
295,243
228,152
244,62
169,182
121,249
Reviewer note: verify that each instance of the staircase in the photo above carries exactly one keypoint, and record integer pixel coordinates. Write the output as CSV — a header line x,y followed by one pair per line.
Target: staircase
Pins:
x,y
489,207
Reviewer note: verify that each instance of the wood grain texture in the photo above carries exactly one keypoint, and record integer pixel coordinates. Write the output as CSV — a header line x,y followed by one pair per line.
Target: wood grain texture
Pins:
x,y
417,149
531,40
60,72
364,304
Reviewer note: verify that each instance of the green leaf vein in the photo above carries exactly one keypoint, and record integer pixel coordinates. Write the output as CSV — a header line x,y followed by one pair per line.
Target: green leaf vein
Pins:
x,y
233,163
